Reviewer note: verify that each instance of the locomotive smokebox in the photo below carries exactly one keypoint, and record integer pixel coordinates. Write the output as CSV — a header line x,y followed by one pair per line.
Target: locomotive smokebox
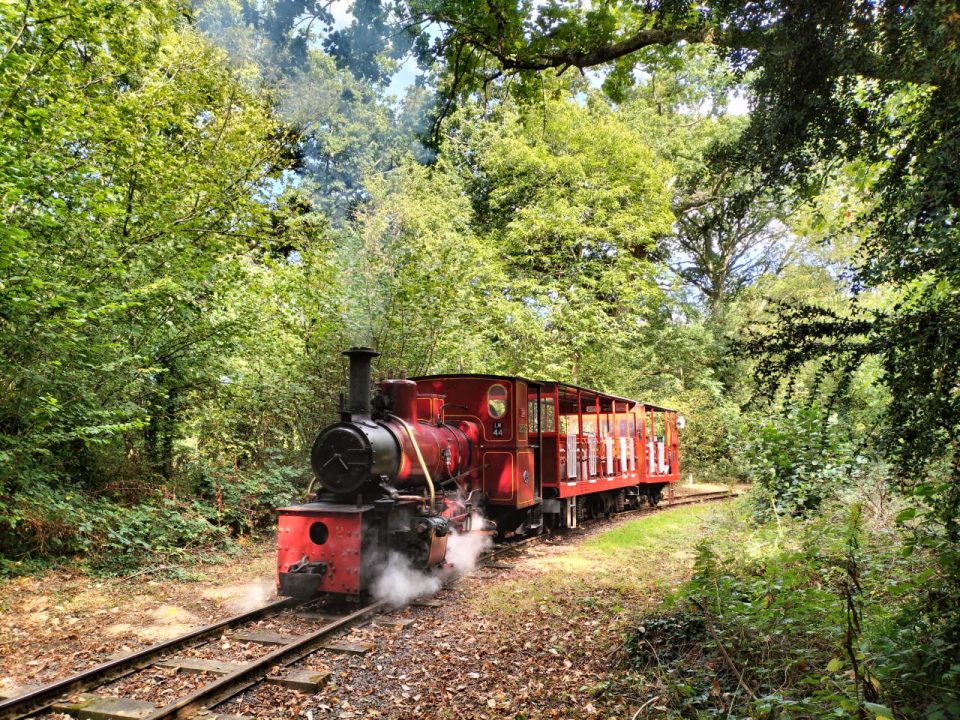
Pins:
x,y
347,456
360,358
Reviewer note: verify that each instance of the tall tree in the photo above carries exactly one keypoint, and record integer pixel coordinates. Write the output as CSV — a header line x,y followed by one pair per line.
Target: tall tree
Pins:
x,y
576,200
133,162
727,240
329,79
830,82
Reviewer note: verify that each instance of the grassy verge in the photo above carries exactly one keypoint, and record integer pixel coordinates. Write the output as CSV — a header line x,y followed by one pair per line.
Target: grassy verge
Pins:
x,y
630,567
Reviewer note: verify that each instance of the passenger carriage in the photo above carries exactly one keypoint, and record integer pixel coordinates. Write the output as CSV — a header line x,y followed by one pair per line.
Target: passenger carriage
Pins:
x,y
556,453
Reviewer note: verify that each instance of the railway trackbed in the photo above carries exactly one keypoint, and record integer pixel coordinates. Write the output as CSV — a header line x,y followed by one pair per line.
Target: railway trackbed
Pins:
x,y
194,662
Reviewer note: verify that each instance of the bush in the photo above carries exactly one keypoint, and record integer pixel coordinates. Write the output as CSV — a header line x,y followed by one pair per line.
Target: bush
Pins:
x,y
50,526
47,524
820,617
712,441
798,459
245,501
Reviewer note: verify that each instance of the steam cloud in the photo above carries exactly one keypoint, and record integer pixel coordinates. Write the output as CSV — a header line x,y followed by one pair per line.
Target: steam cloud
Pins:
x,y
398,582
464,549
251,596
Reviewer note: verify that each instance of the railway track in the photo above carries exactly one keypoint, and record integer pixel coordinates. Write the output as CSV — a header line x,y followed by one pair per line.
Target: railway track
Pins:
x,y
72,695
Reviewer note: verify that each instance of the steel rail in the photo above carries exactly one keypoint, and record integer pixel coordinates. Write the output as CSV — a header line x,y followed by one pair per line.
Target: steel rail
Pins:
x,y
228,686
43,697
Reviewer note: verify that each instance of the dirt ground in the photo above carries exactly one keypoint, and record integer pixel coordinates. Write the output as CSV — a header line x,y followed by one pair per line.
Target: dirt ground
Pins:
x,y
540,638
59,623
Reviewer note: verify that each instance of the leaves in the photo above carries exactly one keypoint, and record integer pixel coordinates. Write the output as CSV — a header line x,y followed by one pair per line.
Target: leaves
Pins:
x,y
128,210
881,712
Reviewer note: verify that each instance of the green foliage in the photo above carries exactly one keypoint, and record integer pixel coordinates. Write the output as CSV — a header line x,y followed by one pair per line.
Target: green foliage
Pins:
x,y
421,286
773,599
713,437
245,501
118,248
571,191
573,200
348,126
798,459
112,538
133,162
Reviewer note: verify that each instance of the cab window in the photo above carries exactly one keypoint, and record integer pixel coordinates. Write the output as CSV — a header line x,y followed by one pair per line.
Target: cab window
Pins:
x,y
497,401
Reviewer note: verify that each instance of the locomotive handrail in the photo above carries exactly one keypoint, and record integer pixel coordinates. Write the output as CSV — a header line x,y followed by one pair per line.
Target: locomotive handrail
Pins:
x,y
416,450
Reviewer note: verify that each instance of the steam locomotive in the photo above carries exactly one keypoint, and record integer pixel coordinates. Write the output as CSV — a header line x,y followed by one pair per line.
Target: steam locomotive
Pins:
x,y
427,456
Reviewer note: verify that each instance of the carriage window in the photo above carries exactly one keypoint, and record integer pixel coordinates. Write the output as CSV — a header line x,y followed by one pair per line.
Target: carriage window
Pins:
x,y
549,415
569,425
497,401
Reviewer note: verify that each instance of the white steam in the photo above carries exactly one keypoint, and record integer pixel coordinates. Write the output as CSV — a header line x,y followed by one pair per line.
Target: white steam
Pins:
x,y
398,582
251,596
464,549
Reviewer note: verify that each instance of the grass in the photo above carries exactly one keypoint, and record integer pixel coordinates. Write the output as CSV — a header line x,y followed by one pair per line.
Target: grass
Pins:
x,y
628,567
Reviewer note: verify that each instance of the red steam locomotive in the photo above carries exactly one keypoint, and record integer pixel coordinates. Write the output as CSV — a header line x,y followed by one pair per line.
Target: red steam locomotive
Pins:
x,y
427,455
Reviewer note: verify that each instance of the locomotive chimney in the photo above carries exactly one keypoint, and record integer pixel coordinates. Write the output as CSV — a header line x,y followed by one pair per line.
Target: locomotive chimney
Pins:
x,y
360,358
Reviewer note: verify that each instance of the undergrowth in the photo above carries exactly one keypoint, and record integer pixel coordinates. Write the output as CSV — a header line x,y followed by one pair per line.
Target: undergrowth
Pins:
x,y
115,533
801,618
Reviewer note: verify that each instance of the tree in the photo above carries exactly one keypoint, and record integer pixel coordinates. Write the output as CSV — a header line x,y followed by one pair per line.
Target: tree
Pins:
x,y
133,161
330,85
830,83
575,202
421,286
729,231
726,242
